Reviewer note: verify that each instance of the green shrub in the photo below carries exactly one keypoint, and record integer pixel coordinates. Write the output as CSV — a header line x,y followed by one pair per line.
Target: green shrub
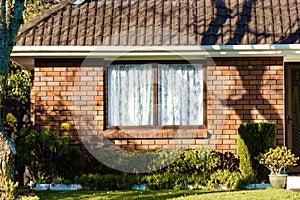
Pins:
x,y
196,161
167,180
160,181
108,182
40,152
194,167
145,161
28,198
104,169
17,83
228,161
70,164
26,195
278,159
231,180
254,139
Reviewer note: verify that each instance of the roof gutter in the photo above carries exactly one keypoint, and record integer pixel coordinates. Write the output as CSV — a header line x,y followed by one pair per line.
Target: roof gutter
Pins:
x,y
25,55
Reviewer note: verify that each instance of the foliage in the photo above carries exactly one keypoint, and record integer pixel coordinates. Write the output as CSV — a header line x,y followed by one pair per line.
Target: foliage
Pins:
x,y
34,8
11,19
196,161
22,195
231,180
178,161
17,83
28,198
108,181
277,159
70,164
168,180
104,169
10,118
7,186
65,126
191,167
12,121
228,161
144,161
40,151
253,139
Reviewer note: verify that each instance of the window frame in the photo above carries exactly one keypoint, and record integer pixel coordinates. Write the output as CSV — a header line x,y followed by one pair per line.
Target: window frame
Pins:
x,y
155,64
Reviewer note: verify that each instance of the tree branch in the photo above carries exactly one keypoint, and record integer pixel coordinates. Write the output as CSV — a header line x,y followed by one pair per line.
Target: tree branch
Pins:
x,y
15,21
3,14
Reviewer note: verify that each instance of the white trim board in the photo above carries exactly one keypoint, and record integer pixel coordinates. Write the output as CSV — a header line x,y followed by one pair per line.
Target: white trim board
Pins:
x,y
25,55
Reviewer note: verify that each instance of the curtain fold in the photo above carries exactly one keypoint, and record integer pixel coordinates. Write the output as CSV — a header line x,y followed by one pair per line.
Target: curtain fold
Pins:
x,y
130,95
180,95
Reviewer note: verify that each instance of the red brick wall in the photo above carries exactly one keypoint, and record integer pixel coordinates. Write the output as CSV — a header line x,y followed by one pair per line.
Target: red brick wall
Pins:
x,y
238,90
253,91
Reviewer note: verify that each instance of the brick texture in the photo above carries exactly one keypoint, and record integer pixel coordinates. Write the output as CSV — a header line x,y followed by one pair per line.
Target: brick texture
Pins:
x,y
237,90
243,90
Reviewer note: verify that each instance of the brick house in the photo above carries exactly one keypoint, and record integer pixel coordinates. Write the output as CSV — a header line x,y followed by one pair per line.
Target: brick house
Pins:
x,y
151,73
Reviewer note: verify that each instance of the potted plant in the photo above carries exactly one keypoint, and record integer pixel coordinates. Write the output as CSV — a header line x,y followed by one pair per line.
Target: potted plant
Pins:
x,y
277,160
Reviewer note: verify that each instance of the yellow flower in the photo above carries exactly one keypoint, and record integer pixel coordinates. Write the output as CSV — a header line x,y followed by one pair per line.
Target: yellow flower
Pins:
x,y
65,126
10,118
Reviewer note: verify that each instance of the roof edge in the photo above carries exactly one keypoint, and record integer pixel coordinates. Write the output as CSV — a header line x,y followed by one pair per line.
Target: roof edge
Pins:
x,y
25,55
42,16
195,48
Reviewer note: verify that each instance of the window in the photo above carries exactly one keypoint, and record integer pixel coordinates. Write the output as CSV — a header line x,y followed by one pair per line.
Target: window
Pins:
x,y
155,95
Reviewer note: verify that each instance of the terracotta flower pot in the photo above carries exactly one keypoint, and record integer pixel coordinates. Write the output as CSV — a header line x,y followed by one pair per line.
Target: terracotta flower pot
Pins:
x,y
278,181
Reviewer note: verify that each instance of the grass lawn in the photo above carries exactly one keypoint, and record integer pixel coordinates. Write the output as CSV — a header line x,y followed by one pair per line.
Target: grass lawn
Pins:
x,y
267,194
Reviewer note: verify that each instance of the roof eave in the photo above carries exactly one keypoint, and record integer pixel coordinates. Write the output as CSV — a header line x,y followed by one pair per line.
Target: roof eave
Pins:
x,y
25,55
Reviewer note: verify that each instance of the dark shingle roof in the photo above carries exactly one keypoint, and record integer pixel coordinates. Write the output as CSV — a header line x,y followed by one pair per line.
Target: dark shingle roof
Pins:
x,y
165,22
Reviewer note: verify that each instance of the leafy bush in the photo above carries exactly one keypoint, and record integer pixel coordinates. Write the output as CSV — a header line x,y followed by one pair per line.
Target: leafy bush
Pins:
x,y
34,8
70,164
11,121
28,198
196,161
104,169
144,161
191,167
278,159
40,152
228,161
122,181
231,180
254,139
22,195
167,180
18,83
10,118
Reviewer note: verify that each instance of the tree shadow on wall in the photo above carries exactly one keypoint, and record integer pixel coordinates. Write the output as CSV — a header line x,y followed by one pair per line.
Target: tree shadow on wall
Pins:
x,y
241,103
245,105
53,115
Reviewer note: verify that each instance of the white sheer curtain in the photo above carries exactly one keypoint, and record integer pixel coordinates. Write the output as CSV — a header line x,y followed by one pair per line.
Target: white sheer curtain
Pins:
x,y
180,95
130,95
